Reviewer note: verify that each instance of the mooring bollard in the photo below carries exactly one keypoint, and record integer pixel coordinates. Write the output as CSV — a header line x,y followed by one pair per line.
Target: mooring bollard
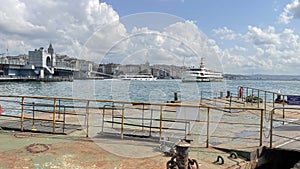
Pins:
x,y
228,94
181,159
175,97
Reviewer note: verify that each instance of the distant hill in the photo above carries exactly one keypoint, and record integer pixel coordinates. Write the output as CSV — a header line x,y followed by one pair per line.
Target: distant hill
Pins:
x,y
261,77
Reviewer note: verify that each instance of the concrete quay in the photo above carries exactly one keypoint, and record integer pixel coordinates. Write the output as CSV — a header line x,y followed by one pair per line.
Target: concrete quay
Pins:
x,y
231,131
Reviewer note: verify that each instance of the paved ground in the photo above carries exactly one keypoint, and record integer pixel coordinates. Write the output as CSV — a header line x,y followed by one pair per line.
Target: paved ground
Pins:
x,y
102,150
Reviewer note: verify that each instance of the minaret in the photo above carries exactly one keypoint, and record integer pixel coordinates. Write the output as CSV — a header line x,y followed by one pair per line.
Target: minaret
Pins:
x,y
50,50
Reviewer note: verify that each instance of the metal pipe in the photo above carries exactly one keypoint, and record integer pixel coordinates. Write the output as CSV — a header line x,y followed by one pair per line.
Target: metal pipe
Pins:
x,y
54,115
247,93
258,99
103,113
261,127
151,122
59,109
273,100
143,111
113,114
265,101
271,127
87,118
33,127
64,119
122,125
252,96
207,129
283,112
160,123
22,115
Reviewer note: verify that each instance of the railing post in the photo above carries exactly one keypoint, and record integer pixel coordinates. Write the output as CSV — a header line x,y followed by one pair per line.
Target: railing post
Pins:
x,y
207,129
87,118
258,98
113,114
252,97
103,113
246,95
160,123
265,100
143,111
54,115
22,115
261,127
122,125
271,128
273,100
283,112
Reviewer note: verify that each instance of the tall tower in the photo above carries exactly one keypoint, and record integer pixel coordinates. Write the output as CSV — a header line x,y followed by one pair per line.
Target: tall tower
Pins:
x,y
50,50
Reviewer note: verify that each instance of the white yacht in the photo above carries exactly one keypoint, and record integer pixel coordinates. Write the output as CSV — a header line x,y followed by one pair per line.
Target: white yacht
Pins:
x,y
143,77
201,74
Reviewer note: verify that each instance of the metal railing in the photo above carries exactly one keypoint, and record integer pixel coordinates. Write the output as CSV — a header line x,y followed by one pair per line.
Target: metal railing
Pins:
x,y
59,113
272,112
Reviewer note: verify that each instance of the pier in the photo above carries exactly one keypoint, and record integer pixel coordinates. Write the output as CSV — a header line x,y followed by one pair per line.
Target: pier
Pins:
x,y
148,131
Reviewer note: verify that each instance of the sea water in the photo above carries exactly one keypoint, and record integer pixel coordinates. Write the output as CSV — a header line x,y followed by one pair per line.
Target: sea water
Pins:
x,y
143,91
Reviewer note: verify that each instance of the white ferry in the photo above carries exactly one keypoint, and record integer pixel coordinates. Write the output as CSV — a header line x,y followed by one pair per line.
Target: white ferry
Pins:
x,y
143,77
201,74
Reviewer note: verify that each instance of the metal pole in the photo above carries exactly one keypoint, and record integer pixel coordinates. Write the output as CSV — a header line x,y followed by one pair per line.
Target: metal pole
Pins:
x,y
207,129
59,109
252,96
103,113
271,128
64,119
247,93
273,100
160,123
283,112
258,98
151,122
33,127
22,115
122,125
265,100
113,114
261,127
54,115
143,111
87,118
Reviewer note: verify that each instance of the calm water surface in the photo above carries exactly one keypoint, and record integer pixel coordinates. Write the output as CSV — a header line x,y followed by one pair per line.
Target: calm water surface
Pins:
x,y
153,91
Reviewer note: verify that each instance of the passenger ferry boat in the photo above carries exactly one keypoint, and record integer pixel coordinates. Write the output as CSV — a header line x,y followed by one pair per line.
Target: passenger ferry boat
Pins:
x,y
143,77
201,74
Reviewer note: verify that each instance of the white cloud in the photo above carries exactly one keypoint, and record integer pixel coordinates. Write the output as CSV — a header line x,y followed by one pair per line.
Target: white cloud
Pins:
x,y
225,33
291,11
262,37
67,24
264,51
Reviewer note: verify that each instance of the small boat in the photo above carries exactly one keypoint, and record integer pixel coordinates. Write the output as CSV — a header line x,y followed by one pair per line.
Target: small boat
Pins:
x,y
142,77
201,74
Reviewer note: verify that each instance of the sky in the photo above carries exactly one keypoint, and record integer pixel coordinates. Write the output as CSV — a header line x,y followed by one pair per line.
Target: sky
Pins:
x,y
239,37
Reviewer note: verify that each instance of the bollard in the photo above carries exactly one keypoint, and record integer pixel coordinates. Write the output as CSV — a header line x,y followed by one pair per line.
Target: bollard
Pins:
x,y
182,157
221,94
228,94
175,97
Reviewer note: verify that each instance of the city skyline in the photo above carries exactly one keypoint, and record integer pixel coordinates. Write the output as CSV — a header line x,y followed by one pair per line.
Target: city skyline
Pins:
x,y
258,37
